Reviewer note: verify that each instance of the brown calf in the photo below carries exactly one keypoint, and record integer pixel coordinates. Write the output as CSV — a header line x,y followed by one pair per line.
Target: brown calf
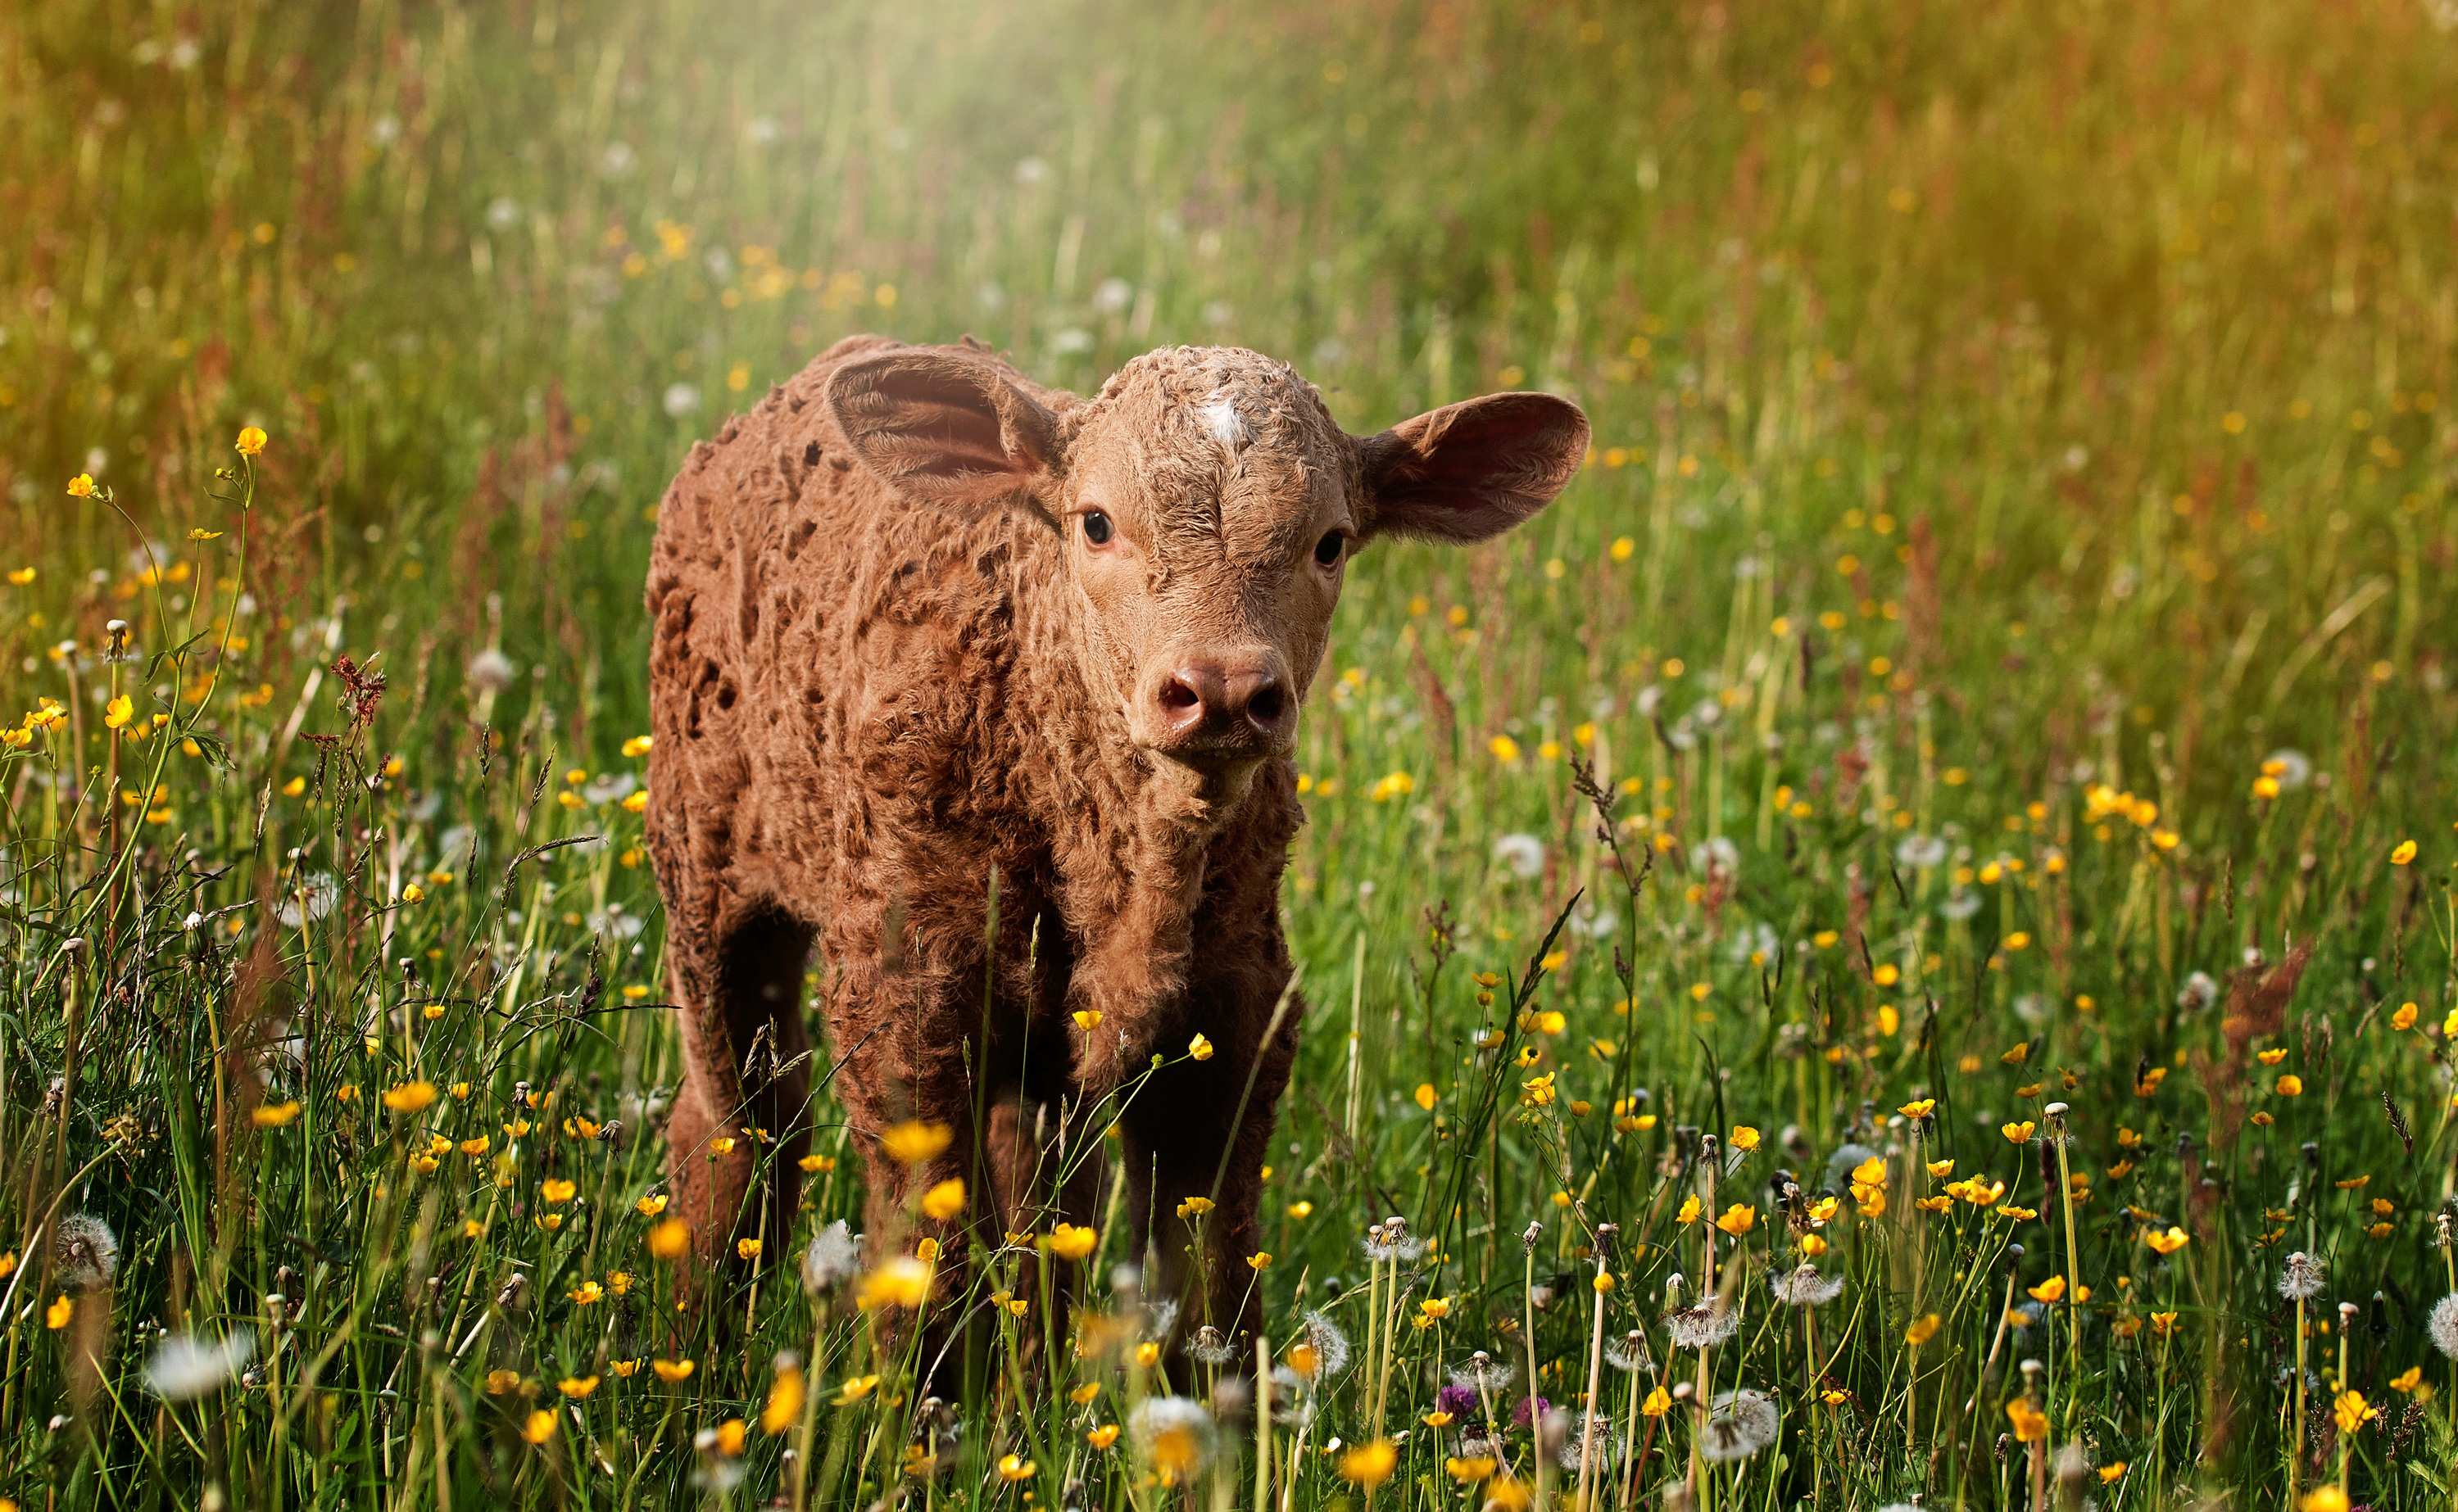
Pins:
x,y
920,622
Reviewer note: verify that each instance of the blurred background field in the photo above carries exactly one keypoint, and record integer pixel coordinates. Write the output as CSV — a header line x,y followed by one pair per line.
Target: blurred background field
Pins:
x,y
2007,603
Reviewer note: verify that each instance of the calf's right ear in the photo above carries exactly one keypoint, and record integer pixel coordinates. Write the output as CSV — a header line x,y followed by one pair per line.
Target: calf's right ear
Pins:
x,y
947,429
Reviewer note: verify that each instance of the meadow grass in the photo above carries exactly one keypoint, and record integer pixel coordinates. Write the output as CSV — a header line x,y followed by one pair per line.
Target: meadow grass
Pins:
x,y
1957,793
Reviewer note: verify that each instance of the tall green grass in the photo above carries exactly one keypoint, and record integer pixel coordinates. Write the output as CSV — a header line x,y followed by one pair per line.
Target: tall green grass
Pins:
x,y
2003,603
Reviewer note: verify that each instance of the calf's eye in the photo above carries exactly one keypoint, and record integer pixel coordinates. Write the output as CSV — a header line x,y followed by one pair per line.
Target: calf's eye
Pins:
x,y
1096,527
1327,549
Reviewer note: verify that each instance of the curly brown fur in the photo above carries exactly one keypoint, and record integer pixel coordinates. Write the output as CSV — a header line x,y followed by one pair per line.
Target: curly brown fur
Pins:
x,y
890,662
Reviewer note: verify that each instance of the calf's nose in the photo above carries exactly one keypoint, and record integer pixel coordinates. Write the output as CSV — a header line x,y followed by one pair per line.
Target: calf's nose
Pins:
x,y
1205,701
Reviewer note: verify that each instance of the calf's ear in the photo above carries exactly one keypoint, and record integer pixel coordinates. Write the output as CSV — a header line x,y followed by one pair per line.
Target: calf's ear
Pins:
x,y
1471,470
944,429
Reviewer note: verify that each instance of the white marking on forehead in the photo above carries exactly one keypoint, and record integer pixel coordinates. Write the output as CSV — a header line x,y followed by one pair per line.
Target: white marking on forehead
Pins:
x,y
1221,416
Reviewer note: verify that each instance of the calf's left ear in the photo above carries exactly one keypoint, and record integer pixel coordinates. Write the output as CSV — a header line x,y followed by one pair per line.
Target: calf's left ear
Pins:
x,y
1471,470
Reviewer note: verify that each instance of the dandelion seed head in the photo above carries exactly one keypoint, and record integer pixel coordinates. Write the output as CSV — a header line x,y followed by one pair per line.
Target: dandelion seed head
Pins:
x,y
1208,1347
1704,1326
2300,1277
1804,1287
1161,1318
490,671
1524,855
184,1367
1740,1423
1575,1453
2443,1325
833,1257
1483,1373
85,1254
1330,1345
1629,1353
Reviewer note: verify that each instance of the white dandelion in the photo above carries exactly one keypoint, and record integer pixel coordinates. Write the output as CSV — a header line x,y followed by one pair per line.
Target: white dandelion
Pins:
x,y
1330,1345
2295,769
1922,851
2443,1325
1629,1353
1161,1318
2198,993
833,1258
1704,1326
1804,1287
1738,1425
2300,1277
311,898
1483,1373
1173,1431
490,671
185,1367
1208,1348
1389,1240
1524,855
85,1254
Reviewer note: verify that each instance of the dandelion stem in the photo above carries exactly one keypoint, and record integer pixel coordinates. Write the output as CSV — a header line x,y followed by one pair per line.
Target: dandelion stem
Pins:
x,y
2296,1442
1536,1422
1262,1420
1595,1370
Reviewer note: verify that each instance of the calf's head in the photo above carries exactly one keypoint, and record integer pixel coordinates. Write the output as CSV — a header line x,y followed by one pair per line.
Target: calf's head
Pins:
x,y
1208,505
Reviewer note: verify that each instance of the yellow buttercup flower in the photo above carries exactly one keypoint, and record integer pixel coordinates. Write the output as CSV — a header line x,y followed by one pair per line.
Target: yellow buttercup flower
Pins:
x,y
1369,1465
2031,1424
81,487
915,1142
2353,1412
2020,1134
944,1200
672,1371
251,441
904,1281
1199,1047
785,1405
410,1097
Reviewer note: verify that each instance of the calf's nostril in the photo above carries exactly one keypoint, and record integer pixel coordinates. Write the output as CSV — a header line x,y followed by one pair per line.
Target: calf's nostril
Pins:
x,y
1176,696
1265,706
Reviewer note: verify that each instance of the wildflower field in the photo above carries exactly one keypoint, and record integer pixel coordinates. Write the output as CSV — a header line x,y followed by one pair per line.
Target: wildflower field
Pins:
x,y
1895,946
